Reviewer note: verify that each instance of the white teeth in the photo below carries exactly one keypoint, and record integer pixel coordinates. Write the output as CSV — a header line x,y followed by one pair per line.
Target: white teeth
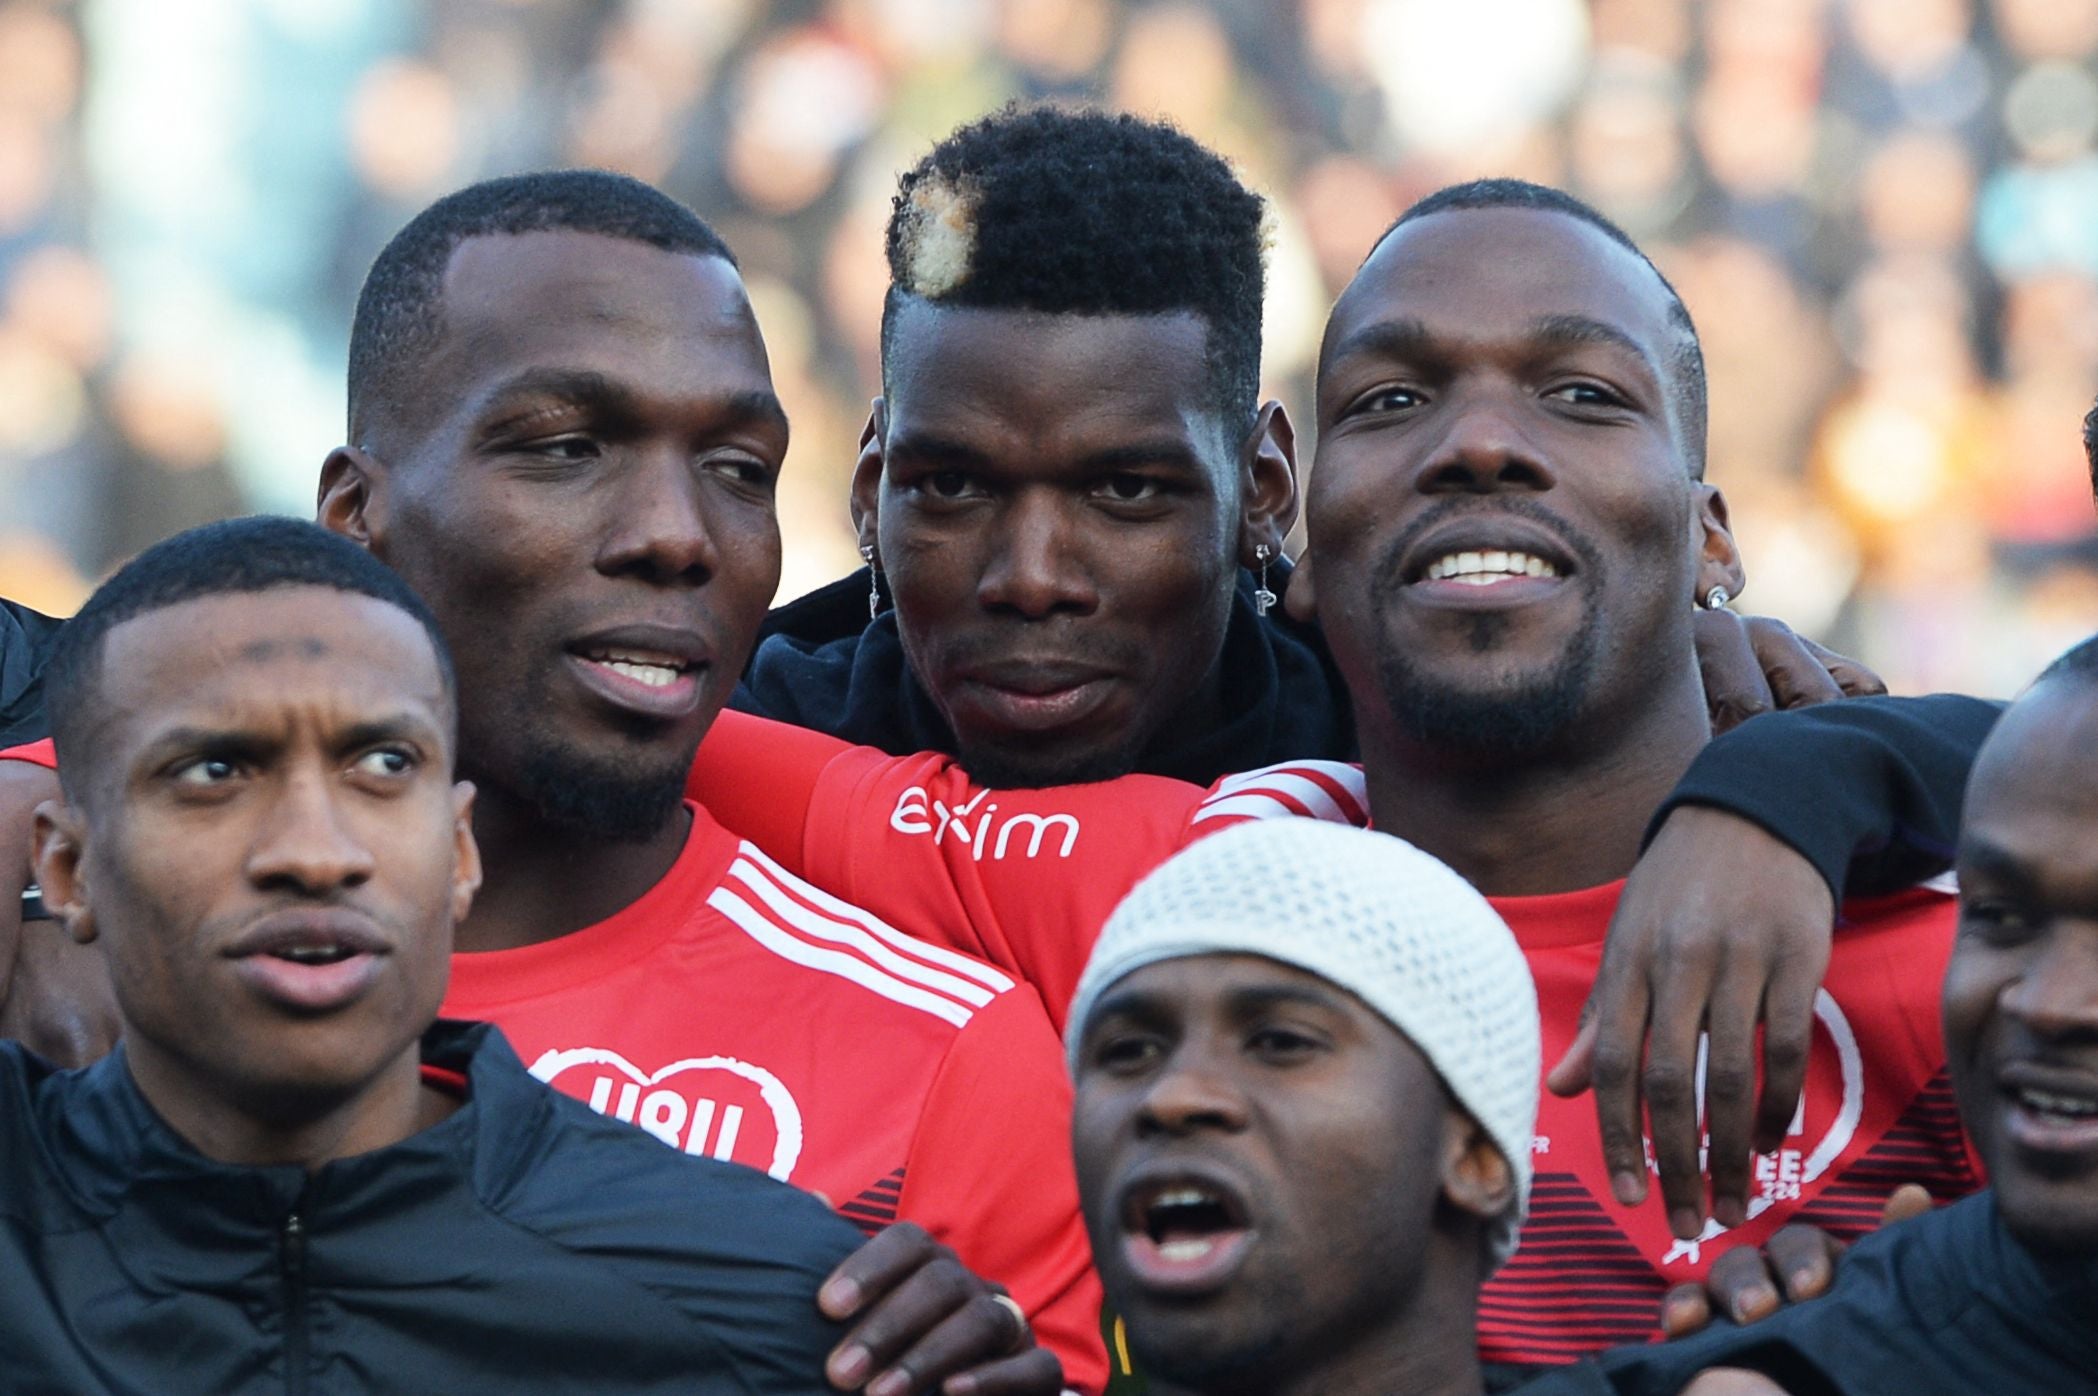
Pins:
x,y
1194,1249
654,675
1486,568
2048,1103
1182,1197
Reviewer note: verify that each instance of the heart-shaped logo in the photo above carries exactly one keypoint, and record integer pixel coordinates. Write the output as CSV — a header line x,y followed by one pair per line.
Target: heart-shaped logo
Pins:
x,y
700,1105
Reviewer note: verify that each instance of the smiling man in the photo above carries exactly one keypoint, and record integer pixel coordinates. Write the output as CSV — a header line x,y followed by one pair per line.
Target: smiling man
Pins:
x,y
1307,1068
286,1175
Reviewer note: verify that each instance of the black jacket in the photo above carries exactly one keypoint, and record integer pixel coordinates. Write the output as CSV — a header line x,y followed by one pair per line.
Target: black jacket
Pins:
x,y
525,1244
25,645
822,664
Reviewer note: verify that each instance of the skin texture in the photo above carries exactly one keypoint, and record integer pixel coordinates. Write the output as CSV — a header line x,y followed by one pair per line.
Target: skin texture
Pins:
x,y
2021,992
267,763
595,453
1498,378
1363,1187
1058,510
604,466
54,993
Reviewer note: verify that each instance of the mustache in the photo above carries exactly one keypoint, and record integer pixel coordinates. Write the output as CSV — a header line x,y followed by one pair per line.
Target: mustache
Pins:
x,y
1389,568
977,648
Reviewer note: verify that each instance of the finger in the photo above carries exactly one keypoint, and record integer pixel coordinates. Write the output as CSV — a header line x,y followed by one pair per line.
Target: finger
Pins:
x,y
1735,689
1684,1310
1796,676
1788,1039
877,1267
1619,1030
1908,1200
1576,1069
1741,1286
1035,1372
1730,1087
936,1309
1804,1260
1670,1082
1852,677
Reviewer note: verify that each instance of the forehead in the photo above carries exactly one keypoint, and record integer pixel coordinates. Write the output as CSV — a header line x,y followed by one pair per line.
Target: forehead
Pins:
x,y
263,661
1195,982
663,321
2034,790
1046,375
1492,275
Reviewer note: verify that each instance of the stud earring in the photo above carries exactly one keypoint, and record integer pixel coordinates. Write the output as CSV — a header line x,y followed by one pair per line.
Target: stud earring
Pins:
x,y
1263,599
1716,598
873,582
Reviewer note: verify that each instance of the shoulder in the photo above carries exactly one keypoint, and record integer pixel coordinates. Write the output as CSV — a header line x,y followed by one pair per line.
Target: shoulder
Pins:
x,y
808,930
1329,790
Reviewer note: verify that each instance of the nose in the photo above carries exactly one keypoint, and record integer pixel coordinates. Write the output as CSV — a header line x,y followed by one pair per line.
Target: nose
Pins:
x,y
1192,1091
306,844
2057,996
1483,448
1035,568
658,529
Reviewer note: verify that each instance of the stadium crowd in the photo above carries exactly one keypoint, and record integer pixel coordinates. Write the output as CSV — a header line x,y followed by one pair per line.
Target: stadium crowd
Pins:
x,y
1095,944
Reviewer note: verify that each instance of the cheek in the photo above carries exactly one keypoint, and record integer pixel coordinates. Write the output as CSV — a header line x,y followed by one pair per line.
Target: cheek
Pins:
x,y
1974,982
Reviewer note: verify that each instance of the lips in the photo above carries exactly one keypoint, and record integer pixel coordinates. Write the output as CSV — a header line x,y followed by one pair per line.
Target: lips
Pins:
x,y
1034,696
647,670
1489,559
2050,1112
310,961
1184,1233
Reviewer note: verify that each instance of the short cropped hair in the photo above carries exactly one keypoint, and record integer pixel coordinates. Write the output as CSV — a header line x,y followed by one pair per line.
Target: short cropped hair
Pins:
x,y
399,310
1086,212
1687,367
236,557
2079,663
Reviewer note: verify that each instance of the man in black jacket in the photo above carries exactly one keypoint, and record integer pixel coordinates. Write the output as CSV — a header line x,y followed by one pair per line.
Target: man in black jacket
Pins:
x,y
287,1178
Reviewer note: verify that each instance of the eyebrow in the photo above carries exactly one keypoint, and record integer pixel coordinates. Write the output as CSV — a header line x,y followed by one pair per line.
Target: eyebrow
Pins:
x,y
593,389
1979,857
944,451
1256,997
1410,339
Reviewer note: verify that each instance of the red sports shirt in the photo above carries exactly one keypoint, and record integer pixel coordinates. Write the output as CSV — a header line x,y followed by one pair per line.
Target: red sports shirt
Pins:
x,y
1026,877
738,1012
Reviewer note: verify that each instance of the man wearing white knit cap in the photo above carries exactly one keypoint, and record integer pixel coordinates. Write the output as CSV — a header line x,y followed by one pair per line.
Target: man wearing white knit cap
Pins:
x,y
1307,1061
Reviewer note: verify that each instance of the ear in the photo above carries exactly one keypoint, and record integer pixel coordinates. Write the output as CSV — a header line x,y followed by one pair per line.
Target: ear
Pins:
x,y
58,849
1719,560
1267,484
866,483
466,861
1476,1176
352,496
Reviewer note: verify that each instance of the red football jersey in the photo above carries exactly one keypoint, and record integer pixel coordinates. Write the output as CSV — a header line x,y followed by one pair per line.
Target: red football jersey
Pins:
x,y
736,1011
1877,1112
1025,878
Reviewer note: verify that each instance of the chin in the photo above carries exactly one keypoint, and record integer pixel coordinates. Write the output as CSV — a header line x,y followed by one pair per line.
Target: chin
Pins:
x,y
1013,766
2054,1217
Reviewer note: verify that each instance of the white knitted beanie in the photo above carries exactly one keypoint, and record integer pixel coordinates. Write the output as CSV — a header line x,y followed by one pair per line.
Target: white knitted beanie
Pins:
x,y
1373,915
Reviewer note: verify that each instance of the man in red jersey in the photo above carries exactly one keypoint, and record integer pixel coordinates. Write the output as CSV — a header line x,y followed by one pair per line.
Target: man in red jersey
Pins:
x,y
1511,538
564,436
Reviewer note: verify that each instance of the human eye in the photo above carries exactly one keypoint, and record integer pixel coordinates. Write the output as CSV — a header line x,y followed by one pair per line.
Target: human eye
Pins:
x,y
391,762
1586,394
1283,1045
1384,400
744,470
1125,1051
1129,487
949,486
1996,920
570,448
204,772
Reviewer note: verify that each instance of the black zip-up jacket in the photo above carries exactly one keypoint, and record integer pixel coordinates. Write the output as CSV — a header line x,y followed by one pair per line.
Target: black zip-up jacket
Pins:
x,y
525,1244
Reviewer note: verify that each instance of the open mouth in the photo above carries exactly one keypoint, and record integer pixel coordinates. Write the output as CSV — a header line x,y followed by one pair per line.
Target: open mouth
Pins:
x,y
1486,567
1183,1235
315,953
640,666
2056,1107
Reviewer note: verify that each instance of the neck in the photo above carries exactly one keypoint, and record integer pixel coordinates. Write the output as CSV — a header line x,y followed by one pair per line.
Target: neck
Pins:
x,y
389,1108
541,882
1557,821
1432,1351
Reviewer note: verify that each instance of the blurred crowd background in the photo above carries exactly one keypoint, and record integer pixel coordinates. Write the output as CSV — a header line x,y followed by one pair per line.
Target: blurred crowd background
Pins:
x,y
1883,213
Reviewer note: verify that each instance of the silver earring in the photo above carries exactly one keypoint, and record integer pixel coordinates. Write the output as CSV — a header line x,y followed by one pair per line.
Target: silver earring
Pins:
x,y
873,582
1262,597
1716,598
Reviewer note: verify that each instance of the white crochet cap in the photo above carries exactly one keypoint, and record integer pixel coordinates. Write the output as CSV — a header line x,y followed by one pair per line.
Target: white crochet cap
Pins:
x,y
1373,915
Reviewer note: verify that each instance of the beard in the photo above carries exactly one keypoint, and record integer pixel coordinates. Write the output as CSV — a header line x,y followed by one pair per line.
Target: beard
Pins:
x,y
998,768
600,800
1513,715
